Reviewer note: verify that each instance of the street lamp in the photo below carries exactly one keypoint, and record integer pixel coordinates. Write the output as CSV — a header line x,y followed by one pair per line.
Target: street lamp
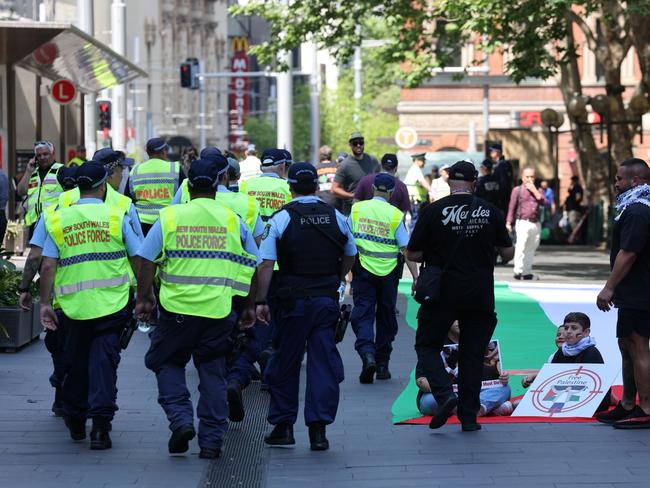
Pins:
x,y
553,120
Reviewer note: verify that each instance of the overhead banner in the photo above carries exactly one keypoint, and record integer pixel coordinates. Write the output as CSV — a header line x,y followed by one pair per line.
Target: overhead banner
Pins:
x,y
238,100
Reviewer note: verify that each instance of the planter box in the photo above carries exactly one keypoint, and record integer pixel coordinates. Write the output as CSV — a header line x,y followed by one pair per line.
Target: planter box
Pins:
x,y
17,243
19,325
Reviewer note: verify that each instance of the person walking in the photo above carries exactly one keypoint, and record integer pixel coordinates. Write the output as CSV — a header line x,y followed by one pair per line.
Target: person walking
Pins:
x,y
380,236
270,189
503,172
440,186
488,186
326,171
573,203
86,262
399,197
209,258
153,183
458,235
314,248
39,182
250,166
418,186
351,170
627,289
523,211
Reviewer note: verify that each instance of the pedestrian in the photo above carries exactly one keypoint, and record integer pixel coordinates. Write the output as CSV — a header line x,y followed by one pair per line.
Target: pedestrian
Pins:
x,y
39,182
79,157
549,207
153,183
380,236
418,186
234,174
326,171
4,199
523,211
573,202
314,248
209,258
54,339
488,186
251,164
270,189
351,170
503,172
627,289
399,197
86,261
457,235
439,186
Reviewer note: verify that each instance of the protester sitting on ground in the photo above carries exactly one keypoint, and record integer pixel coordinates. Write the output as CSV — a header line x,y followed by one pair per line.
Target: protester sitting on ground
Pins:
x,y
560,338
579,346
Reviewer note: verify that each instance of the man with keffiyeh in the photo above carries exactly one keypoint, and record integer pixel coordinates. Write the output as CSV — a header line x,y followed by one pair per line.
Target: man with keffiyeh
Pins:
x,y
627,289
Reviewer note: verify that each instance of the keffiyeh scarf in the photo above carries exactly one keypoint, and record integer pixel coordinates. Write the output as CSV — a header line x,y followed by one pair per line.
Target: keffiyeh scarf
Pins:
x,y
578,347
638,194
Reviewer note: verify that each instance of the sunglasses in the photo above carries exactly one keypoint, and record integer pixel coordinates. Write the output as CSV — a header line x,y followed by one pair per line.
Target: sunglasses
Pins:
x,y
357,143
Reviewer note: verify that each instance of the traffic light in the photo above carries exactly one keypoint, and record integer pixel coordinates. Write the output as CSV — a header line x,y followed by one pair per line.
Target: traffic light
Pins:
x,y
189,70
104,115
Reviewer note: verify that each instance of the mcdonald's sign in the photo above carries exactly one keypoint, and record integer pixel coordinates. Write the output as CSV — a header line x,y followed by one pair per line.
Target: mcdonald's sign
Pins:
x,y
238,100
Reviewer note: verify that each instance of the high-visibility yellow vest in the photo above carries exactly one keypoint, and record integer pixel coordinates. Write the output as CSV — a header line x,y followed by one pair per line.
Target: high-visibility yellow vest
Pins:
x,y
153,184
76,161
41,195
243,205
113,197
204,263
374,225
271,193
92,276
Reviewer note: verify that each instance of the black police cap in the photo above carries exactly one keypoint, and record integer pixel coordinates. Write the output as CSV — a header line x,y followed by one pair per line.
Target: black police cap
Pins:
x,y
302,173
204,173
67,176
275,157
91,175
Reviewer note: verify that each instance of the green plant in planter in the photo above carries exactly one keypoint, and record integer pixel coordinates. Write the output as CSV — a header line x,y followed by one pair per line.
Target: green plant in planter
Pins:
x,y
9,282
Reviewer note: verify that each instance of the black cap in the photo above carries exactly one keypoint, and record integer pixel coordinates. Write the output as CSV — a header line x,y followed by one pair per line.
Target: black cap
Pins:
x,y
419,156
275,157
209,152
389,161
107,157
302,173
156,145
384,182
204,173
463,170
496,147
288,155
91,175
487,163
67,176
341,156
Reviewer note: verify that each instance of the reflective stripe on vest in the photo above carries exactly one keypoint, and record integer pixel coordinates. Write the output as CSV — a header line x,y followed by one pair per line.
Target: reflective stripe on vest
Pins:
x,y
270,193
153,184
374,225
204,264
93,273
41,195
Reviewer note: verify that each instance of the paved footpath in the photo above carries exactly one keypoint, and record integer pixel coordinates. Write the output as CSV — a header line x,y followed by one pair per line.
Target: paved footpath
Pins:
x,y
367,450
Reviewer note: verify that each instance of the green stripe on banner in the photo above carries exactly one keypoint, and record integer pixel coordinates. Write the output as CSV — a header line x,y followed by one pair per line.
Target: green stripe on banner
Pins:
x,y
525,333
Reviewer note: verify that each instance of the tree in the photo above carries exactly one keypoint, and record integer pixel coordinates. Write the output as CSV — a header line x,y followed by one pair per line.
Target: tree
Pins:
x,y
539,36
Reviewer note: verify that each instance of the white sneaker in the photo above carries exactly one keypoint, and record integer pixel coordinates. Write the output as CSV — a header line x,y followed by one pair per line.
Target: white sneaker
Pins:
x,y
482,411
504,409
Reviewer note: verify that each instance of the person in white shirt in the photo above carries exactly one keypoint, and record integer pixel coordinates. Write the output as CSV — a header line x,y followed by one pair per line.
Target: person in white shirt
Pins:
x,y
439,186
250,166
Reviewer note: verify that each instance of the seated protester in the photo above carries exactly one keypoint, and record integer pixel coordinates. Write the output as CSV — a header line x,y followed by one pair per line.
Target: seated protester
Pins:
x,y
560,338
579,346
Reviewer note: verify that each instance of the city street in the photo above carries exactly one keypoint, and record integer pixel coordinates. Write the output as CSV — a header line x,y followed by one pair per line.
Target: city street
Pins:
x,y
367,450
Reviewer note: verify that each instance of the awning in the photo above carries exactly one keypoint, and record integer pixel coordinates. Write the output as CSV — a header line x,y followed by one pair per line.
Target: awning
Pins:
x,y
58,50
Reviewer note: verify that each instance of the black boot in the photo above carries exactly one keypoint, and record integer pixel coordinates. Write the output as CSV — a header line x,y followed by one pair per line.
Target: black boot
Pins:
x,y
180,438
368,368
77,428
281,435
235,402
382,372
99,437
317,439
209,453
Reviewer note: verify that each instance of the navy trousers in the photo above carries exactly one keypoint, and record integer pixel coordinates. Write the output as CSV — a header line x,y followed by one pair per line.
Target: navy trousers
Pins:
x,y
176,340
92,350
241,371
55,344
374,300
309,323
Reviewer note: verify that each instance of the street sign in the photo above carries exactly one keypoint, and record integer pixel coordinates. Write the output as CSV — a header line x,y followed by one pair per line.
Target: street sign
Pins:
x,y
406,137
63,91
46,54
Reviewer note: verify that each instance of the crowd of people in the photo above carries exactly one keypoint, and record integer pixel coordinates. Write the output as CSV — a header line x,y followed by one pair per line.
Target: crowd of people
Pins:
x,y
242,265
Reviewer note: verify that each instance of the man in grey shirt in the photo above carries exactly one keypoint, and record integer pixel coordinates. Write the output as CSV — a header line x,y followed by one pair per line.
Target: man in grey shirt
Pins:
x,y
351,170
4,198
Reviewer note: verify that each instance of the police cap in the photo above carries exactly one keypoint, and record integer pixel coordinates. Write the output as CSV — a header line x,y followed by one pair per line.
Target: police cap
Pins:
x,y
67,176
418,156
209,152
389,161
384,182
496,147
275,157
204,173
487,164
91,175
108,158
156,144
302,173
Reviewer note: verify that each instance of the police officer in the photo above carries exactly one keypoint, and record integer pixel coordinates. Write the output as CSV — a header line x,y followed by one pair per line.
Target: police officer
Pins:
x,y
111,160
380,235
79,157
270,189
54,339
153,183
39,182
85,260
209,257
314,248
488,185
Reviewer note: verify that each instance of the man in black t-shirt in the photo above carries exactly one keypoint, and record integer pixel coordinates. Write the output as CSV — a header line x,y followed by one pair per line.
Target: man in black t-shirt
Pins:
x,y
488,186
573,202
459,233
628,289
